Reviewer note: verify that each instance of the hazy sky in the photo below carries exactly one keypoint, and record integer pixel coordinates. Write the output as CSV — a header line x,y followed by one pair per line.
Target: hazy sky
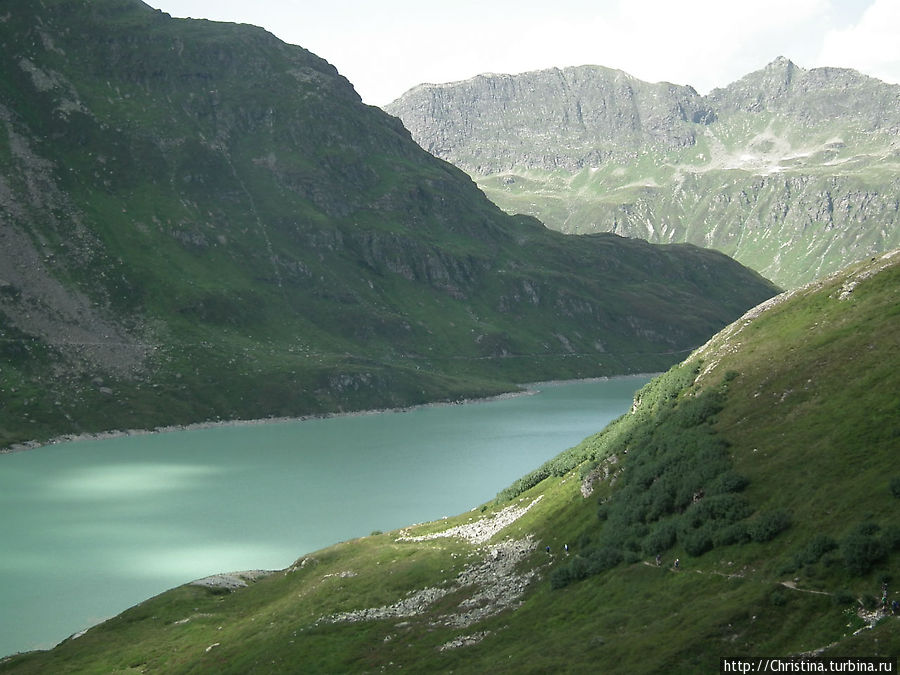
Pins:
x,y
387,47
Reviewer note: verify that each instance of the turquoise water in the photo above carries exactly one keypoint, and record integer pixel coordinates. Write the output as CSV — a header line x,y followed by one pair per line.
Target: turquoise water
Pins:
x,y
92,527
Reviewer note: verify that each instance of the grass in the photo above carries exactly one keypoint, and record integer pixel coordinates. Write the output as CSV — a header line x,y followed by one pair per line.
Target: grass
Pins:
x,y
826,455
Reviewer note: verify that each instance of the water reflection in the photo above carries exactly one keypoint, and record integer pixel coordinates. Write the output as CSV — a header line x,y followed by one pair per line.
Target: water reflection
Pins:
x,y
125,481
91,527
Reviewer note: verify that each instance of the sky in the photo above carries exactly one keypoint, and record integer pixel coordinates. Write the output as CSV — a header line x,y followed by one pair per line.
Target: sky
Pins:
x,y
385,48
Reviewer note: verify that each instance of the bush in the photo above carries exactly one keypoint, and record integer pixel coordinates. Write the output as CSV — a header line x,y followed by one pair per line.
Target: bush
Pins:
x,y
560,577
894,486
843,597
890,537
699,541
861,549
788,567
778,597
768,525
580,567
815,549
661,539
695,411
604,558
727,508
730,481
735,533
584,541
631,556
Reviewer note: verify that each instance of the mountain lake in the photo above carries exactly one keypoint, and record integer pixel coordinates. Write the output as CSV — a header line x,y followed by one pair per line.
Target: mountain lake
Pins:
x,y
91,527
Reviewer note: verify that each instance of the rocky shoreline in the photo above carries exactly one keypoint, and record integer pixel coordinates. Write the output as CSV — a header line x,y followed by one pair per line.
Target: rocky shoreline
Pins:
x,y
495,579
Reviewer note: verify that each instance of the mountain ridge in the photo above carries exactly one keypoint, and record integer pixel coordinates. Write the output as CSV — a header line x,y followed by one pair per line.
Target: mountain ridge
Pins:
x,y
791,171
201,222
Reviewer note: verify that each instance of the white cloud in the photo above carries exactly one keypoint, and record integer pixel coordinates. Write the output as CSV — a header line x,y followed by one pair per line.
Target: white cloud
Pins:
x,y
386,48
871,46
709,44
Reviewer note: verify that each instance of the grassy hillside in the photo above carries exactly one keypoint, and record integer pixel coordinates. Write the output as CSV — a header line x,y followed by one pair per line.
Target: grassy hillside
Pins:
x,y
201,222
765,463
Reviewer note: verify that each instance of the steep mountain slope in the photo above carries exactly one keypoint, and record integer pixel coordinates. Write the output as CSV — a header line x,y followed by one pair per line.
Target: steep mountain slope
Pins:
x,y
201,222
793,172
765,463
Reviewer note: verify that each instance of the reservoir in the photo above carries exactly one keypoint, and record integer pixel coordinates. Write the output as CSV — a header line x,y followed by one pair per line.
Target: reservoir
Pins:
x,y
91,527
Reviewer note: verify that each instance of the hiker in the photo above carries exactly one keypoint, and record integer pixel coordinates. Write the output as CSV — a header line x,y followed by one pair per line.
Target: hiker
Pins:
x,y
658,559
566,547
677,561
548,550
895,607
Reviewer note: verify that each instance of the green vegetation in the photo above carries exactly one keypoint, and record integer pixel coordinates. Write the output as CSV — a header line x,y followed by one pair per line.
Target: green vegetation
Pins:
x,y
202,223
764,463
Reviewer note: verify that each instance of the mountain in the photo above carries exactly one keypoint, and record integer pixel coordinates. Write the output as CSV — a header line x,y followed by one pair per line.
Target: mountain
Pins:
x,y
793,172
765,464
201,222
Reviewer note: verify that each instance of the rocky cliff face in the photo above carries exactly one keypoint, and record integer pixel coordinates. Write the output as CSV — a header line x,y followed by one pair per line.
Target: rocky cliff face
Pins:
x,y
791,171
553,119
200,222
813,97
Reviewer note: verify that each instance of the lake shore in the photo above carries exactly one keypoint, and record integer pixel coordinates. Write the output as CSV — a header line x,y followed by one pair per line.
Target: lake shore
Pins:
x,y
167,510
527,389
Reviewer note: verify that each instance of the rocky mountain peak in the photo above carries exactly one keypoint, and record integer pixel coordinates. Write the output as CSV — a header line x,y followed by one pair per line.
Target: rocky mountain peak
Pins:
x,y
813,96
570,118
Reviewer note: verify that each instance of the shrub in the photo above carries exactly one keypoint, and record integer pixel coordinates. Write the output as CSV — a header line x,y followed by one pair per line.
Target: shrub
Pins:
x,y
718,511
816,548
861,549
788,567
579,568
560,577
768,525
661,539
604,558
629,556
890,537
734,533
626,536
730,481
695,411
868,527
843,597
584,541
832,559
894,486
778,597
699,541
661,500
